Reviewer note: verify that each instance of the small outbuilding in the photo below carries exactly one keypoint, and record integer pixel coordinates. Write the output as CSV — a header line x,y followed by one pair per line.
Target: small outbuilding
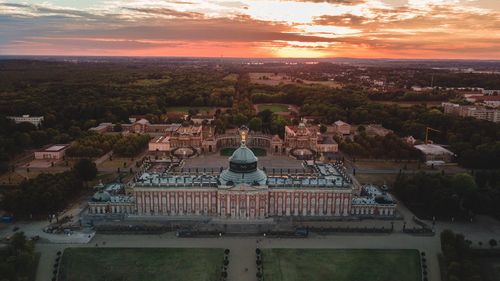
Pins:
x,y
434,152
53,152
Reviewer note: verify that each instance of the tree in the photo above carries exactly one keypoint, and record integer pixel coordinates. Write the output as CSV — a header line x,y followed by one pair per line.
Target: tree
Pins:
x,y
463,183
255,124
493,243
322,129
85,169
18,241
240,119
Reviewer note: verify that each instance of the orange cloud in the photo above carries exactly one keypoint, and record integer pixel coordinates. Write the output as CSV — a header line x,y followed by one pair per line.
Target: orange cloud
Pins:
x,y
353,28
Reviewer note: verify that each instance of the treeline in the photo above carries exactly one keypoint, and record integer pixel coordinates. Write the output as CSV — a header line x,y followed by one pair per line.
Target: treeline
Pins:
x,y
451,79
446,196
74,97
474,141
95,145
459,263
43,195
15,138
17,259
243,113
386,147
434,95
131,145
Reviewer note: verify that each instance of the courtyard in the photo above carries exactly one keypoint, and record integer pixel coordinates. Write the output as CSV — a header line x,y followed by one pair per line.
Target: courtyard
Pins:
x,y
216,161
341,265
141,264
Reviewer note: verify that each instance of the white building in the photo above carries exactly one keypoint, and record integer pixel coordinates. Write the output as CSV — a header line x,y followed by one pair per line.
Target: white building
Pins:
x,y
35,120
478,112
434,152
54,152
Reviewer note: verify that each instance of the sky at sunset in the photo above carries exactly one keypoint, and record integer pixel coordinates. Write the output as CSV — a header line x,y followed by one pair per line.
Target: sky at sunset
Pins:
x,y
438,29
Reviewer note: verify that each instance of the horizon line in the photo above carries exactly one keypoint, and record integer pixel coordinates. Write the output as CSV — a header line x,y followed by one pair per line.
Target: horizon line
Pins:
x,y
261,58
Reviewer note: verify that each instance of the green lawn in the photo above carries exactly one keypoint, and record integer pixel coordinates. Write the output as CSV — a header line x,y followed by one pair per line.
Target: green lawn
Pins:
x,y
141,264
274,107
341,265
229,151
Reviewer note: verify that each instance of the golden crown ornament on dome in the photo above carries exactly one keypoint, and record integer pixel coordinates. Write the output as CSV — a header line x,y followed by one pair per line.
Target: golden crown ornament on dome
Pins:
x,y
243,130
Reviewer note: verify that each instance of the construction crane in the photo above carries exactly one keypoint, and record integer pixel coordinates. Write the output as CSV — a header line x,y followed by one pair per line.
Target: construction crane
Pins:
x,y
427,129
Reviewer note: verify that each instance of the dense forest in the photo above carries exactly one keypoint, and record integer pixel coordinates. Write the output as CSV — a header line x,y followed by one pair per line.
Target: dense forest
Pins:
x,y
460,263
48,194
73,97
95,145
447,196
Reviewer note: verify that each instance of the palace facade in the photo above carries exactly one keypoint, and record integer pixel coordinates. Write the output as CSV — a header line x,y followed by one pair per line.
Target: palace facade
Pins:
x,y
244,191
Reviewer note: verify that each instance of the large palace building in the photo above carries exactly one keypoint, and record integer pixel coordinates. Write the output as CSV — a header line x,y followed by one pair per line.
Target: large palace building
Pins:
x,y
243,191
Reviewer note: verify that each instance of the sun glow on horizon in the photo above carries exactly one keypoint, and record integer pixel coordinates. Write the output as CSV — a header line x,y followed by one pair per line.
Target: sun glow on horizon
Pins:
x,y
253,28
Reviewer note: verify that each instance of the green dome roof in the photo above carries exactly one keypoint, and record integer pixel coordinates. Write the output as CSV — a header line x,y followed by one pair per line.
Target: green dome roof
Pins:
x,y
243,155
101,196
243,169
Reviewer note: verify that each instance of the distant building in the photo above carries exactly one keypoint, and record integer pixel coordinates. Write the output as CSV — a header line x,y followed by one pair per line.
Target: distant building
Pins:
x,y
491,101
376,130
35,120
305,141
102,128
141,126
53,152
199,119
492,115
342,128
421,89
159,143
434,152
311,119
478,112
300,136
490,92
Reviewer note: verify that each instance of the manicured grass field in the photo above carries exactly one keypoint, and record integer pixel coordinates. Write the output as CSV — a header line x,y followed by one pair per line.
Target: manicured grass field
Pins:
x,y
256,151
142,264
274,107
341,265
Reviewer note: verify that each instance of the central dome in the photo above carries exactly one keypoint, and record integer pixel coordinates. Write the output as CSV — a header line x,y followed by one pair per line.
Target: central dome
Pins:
x,y
243,168
243,160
